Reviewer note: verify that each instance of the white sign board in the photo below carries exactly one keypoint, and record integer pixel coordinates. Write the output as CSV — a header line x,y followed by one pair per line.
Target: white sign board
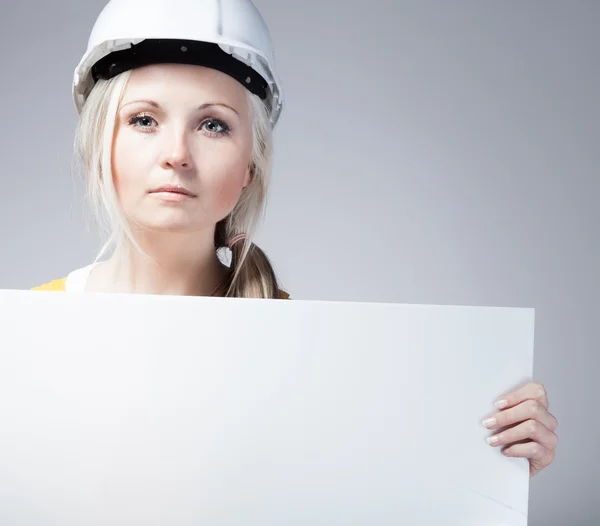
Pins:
x,y
156,410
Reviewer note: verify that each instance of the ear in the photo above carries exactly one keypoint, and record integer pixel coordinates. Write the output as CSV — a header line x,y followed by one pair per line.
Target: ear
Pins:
x,y
248,177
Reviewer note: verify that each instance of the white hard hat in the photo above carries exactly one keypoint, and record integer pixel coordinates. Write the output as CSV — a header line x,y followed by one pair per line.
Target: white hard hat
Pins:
x,y
229,35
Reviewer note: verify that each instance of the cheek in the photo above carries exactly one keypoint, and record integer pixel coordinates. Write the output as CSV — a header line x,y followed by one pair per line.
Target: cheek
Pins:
x,y
127,167
225,181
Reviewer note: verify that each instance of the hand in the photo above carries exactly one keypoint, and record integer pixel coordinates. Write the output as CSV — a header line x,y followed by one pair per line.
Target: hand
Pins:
x,y
530,433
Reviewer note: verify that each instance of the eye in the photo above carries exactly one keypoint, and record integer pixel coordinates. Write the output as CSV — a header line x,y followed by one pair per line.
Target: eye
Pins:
x,y
142,121
215,127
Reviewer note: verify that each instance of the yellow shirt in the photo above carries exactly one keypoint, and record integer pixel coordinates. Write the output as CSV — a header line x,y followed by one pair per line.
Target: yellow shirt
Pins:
x,y
60,285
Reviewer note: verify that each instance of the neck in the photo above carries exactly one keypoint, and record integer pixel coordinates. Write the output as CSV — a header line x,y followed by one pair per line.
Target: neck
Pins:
x,y
172,263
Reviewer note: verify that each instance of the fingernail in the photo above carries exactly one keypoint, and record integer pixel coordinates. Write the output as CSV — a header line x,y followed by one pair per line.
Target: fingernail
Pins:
x,y
501,404
493,440
489,422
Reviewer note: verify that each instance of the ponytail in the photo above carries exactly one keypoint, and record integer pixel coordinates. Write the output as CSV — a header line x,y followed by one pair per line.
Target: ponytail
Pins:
x,y
251,274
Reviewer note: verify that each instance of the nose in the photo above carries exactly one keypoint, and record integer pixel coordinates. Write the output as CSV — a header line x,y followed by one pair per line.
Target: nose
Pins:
x,y
176,152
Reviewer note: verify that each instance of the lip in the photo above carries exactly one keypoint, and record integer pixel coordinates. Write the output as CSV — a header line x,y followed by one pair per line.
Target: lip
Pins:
x,y
173,189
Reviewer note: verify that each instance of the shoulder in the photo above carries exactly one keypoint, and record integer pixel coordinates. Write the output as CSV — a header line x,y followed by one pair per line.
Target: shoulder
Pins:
x,y
74,281
60,285
57,285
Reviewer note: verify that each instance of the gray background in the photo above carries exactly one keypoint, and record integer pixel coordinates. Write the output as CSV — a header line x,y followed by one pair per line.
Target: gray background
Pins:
x,y
430,152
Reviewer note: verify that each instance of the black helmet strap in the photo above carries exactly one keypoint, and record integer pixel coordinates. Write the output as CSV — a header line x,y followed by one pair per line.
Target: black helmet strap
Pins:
x,y
177,51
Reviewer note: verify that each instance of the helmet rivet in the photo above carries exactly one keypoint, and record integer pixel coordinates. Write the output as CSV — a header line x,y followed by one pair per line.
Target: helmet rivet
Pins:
x,y
183,48
248,80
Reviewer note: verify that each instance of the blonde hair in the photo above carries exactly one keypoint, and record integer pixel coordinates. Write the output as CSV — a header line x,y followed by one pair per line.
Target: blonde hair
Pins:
x,y
251,274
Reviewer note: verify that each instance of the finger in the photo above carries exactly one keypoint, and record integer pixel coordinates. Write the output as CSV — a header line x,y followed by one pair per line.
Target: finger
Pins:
x,y
528,410
530,391
538,455
529,430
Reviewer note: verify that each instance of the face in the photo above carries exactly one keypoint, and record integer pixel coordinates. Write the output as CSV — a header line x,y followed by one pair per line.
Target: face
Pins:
x,y
182,147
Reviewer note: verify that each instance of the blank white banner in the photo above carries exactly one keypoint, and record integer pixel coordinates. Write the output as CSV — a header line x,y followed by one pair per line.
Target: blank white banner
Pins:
x,y
128,410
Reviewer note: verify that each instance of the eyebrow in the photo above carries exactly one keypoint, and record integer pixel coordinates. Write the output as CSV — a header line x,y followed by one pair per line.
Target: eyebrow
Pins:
x,y
204,106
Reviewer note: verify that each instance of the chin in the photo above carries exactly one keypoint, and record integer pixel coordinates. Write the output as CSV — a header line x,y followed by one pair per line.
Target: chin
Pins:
x,y
174,222
175,228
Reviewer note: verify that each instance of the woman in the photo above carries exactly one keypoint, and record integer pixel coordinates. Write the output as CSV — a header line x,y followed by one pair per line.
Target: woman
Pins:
x,y
177,103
